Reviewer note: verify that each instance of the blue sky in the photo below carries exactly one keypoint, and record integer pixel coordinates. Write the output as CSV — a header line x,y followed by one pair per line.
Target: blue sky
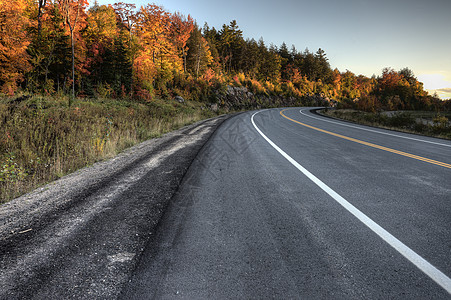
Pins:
x,y
363,36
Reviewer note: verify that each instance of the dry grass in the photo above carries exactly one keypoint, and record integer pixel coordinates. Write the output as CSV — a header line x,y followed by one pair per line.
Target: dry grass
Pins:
x,y
42,139
418,122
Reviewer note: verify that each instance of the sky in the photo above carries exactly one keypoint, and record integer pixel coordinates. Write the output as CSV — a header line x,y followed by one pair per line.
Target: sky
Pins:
x,y
363,36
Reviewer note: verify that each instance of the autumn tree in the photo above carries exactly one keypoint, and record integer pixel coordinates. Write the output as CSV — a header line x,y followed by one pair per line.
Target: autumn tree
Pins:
x,y
14,60
148,52
401,90
74,16
211,35
100,24
157,61
388,88
199,56
291,73
389,79
416,86
336,82
348,85
126,15
181,28
100,34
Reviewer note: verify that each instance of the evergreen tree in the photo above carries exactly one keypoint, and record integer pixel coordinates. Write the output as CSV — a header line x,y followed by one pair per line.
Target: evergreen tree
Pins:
x,y
230,43
324,72
50,53
251,58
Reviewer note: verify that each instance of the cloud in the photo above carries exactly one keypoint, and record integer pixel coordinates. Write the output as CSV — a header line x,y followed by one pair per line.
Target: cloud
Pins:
x,y
444,93
434,81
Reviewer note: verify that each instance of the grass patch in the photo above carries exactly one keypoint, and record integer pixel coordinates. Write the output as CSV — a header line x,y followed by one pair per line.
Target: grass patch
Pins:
x,y
418,122
42,139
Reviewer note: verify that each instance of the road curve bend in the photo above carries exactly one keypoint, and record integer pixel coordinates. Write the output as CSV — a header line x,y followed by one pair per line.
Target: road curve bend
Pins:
x,y
286,204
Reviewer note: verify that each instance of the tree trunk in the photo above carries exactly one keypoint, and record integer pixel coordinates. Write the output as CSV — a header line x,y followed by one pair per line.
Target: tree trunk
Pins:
x,y
198,61
73,64
184,59
40,7
132,61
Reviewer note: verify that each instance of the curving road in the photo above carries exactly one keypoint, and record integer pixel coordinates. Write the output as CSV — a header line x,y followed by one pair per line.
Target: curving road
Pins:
x,y
288,204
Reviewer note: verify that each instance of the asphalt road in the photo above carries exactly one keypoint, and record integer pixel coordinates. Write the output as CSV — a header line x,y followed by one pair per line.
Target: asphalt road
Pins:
x,y
294,205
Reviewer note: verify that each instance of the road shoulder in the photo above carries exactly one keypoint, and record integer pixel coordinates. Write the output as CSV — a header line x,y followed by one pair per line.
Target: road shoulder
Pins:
x,y
81,235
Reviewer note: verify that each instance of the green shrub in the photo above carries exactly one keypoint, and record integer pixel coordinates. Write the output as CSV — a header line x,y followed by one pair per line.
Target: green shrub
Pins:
x,y
10,171
403,120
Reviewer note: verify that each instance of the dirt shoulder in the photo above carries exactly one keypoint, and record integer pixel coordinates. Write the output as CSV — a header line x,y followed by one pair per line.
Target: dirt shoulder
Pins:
x,y
81,236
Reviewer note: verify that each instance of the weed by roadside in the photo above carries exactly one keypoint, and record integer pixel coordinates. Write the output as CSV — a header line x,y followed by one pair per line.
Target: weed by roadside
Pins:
x,y
42,139
419,122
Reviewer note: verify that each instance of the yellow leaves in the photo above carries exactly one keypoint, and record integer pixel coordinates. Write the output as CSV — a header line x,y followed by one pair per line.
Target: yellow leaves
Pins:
x,y
404,82
101,24
13,44
17,5
159,49
98,145
74,13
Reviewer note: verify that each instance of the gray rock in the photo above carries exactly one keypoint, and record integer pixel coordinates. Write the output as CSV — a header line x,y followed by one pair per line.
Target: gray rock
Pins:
x,y
179,99
236,91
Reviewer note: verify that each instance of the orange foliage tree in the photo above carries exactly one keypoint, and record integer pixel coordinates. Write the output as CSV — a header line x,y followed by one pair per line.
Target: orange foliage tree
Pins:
x,y
157,60
181,28
14,60
126,15
120,49
390,79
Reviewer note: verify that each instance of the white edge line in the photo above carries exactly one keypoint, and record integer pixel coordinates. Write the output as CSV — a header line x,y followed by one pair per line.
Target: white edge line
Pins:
x,y
371,130
439,277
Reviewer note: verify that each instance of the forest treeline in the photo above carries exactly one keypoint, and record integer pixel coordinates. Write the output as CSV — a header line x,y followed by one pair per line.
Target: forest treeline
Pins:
x,y
121,51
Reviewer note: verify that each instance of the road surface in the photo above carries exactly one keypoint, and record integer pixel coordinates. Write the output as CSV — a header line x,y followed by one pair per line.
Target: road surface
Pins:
x,y
287,204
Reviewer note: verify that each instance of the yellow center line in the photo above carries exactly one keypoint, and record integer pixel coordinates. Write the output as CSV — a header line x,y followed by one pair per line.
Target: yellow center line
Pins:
x,y
431,161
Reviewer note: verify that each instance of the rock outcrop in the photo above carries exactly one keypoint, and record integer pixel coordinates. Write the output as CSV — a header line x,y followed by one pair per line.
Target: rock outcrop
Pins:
x,y
241,98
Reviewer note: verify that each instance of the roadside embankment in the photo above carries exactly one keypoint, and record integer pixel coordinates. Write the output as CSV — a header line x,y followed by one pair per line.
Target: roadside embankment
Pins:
x,y
418,122
80,236
43,138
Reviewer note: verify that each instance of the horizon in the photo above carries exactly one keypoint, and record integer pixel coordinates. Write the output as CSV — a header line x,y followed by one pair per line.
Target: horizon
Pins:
x,y
363,37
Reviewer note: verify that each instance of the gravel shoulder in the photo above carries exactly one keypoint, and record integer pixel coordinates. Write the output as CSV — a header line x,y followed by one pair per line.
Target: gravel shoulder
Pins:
x,y
81,236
